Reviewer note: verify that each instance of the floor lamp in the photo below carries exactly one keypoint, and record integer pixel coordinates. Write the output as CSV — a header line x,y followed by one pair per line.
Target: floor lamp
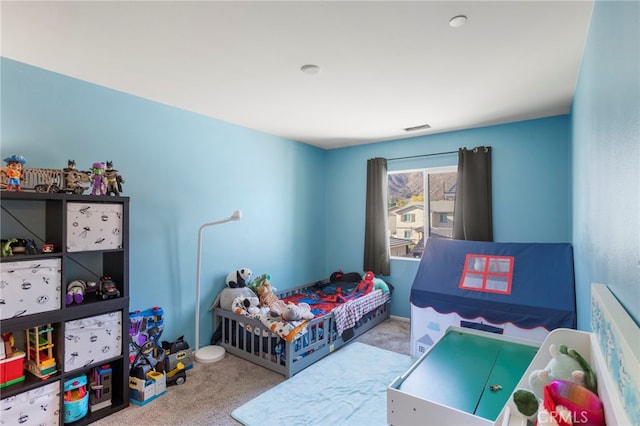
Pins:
x,y
209,353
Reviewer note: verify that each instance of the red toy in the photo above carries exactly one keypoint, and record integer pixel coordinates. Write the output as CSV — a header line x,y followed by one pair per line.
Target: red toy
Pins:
x,y
366,285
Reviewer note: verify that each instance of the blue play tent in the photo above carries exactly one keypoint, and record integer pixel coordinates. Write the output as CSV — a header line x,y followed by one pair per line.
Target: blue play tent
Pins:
x,y
527,285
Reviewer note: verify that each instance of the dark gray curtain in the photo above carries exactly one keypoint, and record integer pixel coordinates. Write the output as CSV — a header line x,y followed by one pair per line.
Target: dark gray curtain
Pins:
x,y
376,233
472,217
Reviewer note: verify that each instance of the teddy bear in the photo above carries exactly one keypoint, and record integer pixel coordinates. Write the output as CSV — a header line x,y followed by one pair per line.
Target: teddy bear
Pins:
x,y
293,312
238,278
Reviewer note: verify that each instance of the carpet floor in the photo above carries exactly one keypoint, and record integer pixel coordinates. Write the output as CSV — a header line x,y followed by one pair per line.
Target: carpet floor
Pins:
x,y
213,391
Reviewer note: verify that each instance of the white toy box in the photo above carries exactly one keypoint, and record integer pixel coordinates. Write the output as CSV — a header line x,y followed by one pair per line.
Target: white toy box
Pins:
x,y
39,406
143,391
94,226
91,340
29,287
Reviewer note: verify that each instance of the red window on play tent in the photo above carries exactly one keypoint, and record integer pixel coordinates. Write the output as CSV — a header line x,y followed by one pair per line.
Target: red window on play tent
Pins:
x,y
491,274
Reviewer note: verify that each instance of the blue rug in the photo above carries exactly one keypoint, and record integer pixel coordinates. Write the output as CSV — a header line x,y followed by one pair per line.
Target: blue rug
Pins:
x,y
348,387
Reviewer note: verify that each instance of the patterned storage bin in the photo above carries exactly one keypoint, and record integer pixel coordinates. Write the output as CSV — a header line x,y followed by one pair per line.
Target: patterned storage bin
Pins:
x,y
91,340
94,226
29,287
39,406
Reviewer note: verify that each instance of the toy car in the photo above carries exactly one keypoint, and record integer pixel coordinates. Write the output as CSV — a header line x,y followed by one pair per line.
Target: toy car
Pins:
x,y
177,376
107,289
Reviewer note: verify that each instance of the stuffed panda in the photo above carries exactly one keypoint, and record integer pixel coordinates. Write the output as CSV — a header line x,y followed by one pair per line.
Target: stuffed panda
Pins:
x,y
238,278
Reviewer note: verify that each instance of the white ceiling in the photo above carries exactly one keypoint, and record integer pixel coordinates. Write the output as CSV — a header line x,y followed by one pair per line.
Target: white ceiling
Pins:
x,y
385,65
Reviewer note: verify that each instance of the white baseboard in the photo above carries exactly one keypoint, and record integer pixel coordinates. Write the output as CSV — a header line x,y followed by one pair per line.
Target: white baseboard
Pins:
x,y
395,317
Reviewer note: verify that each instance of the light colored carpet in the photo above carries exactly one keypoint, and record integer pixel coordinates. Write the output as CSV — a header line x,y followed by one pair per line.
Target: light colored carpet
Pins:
x,y
213,391
346,388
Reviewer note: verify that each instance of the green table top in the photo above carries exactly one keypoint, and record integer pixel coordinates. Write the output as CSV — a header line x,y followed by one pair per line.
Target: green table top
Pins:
x,y
461,367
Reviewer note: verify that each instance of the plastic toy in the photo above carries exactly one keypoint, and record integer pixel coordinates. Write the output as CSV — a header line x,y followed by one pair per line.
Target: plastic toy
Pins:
x,y
76,399
177,351
147,380
238,278
75,181
145,351
114,180
15,164
40,360
11,362
30,247
98,183
7,250
101,387
75,292
107,289
47,248
178,356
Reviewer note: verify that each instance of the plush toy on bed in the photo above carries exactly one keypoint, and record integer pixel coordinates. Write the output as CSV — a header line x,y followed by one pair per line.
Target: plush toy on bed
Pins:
x,y
293,312
366,285
250,305
238,278
236,282
267,298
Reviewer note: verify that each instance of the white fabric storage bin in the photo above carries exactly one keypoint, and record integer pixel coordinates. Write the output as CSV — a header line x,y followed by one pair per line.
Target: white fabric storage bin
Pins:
x,y
29,287
39,406
94,226
93,339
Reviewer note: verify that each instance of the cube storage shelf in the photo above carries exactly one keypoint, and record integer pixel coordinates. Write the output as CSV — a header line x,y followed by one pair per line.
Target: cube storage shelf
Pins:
x,y
90,237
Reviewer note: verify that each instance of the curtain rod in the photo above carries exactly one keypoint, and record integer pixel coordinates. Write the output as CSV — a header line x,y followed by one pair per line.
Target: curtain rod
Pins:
x,y
423,155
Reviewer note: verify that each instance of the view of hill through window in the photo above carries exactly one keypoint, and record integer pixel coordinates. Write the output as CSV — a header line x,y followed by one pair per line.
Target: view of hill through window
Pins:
x,y
407,207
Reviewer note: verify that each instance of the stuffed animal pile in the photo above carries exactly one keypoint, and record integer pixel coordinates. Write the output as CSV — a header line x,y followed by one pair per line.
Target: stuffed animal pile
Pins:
x,y
564,391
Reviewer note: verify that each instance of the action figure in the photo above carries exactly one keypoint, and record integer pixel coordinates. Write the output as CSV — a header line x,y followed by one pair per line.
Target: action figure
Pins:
x,y
114,180
15,164
98,184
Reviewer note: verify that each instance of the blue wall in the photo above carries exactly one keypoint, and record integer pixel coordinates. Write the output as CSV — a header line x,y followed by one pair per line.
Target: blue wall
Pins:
x,y
304,207
531,200
606,158
181,170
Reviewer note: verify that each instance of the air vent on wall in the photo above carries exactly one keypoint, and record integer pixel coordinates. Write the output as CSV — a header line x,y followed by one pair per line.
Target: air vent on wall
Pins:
x,y
421,127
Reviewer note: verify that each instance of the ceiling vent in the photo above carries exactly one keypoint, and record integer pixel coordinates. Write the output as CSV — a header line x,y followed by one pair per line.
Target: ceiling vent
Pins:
x,y
415,128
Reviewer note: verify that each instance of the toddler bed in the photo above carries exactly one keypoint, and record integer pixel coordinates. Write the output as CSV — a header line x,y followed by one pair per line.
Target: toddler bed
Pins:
x,y
289,347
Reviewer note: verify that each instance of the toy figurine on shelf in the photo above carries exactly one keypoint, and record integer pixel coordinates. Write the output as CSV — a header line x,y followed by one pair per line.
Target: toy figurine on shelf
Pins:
x,y
15,164
98,183
114,180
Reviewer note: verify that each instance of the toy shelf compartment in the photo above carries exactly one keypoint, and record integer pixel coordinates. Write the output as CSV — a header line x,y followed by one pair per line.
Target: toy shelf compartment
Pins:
x,y
47,218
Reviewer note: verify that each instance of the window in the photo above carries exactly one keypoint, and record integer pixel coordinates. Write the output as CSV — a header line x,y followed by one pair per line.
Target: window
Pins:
x,y
408,217
414,217
487,273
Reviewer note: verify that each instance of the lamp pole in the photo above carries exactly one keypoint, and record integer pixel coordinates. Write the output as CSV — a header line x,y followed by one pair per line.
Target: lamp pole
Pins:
x,y
208,353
